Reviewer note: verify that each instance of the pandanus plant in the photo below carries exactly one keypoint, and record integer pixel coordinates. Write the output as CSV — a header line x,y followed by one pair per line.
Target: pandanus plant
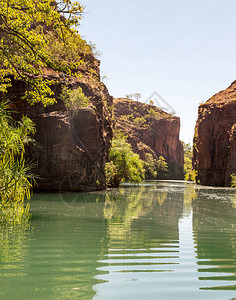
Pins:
x,y
15,177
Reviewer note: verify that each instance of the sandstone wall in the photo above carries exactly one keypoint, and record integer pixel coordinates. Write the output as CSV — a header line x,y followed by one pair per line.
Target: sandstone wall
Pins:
x,y
159,134
71,147
214,146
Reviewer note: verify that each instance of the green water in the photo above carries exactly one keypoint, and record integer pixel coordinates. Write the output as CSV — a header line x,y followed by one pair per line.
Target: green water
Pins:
x,y
163,240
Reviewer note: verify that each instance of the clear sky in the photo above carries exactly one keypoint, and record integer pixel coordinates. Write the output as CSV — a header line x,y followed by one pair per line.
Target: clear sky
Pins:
x,y
183,49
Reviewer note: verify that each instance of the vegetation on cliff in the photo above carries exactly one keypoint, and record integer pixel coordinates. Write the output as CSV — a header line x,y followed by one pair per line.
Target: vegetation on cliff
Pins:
x,y
152,134
36,39
15,176
35,36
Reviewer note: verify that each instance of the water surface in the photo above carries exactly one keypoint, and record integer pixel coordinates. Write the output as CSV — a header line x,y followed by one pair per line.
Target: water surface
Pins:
x,y
159,240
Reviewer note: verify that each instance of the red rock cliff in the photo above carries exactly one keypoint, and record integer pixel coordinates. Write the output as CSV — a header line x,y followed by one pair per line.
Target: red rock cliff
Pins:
x,y
150,130
214,146
71,146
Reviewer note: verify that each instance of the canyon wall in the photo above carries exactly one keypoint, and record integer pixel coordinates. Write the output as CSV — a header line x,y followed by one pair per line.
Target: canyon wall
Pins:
x,y
151,130
71,145
214,145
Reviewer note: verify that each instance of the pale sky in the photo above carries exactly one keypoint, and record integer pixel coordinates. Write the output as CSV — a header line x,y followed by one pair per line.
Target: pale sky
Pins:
x,y
185,50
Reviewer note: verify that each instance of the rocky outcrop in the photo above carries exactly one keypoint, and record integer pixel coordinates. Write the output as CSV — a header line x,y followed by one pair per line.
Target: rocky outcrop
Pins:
x,y
71,145
214,146
151,130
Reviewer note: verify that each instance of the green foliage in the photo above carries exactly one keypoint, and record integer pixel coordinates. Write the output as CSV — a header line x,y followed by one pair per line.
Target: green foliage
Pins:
x,y
15,178
174,171
191,176
153,113
150,166
155,168
188,152
126,165
35,35
74,98
162,167
139,121
189,173
110,172
233,180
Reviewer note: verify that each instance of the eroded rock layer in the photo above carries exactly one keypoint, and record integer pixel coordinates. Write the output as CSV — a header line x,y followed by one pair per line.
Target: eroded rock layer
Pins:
x,y
214,146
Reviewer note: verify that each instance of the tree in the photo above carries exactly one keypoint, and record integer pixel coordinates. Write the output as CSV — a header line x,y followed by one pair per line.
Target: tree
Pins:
x,y
190,174
15,179
124,165
35,35
150,166
136,96
162,167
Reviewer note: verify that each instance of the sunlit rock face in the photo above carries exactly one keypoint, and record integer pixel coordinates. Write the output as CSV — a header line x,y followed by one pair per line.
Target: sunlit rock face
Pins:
x,y
151,130
71,145
214,145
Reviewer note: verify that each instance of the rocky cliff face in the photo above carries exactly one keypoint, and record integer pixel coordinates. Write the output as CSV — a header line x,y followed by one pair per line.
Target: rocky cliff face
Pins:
x,y
214,147
150,130
71,146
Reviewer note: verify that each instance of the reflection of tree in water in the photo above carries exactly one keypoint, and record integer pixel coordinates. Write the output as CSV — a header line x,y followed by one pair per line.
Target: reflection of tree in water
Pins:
x,y
234,202
14,223
189,196
214,230
77,243
59,258
136,214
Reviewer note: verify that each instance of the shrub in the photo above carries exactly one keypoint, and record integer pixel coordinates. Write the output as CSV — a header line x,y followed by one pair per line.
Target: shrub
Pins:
x,y
150,166
15,177
162,167
153,113
233,180
139,121
74,98
191,176
124,165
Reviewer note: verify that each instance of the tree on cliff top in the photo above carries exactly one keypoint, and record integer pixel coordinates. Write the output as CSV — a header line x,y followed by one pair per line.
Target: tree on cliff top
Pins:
x,y
36,35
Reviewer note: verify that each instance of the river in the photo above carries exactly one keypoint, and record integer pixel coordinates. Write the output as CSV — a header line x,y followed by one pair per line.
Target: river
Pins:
x,y
159,240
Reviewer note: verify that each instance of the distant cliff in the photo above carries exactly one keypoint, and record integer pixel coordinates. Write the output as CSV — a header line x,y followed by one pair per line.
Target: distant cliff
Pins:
x,y
214,145
151,130
71,145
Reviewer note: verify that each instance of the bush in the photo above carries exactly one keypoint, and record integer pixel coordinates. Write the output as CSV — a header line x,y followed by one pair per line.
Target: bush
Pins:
x,y
15,177
191,176
150,166
153,113
139,121
233,180
124,164
74,98
189,173
162,167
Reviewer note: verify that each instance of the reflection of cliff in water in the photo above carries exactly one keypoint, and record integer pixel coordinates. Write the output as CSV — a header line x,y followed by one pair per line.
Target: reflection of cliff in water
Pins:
x,y
214,228
137,214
